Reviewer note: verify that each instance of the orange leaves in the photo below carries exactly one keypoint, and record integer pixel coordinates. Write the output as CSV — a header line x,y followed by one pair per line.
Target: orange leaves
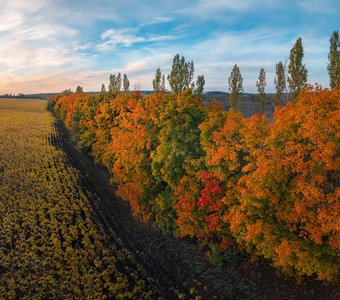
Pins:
x,y
212,174
294,174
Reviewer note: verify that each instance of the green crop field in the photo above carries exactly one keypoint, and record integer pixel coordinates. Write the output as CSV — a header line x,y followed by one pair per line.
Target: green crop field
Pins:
x,y
49,244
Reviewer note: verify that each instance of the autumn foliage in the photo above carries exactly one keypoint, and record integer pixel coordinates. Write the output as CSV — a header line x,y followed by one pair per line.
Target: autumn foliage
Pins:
x,y
289,198
271,186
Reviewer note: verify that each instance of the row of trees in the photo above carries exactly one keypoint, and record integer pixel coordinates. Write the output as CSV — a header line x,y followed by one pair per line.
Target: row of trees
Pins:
x,y
288,83
296,76
180,78
268,187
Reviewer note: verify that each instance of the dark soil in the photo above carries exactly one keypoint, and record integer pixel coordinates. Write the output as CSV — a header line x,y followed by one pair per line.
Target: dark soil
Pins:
x,y
178,264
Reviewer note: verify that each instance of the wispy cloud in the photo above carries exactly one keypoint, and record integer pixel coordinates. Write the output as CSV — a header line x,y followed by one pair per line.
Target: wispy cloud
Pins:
x,y
49,45
112,38
206,8
158,20
115,37
320,6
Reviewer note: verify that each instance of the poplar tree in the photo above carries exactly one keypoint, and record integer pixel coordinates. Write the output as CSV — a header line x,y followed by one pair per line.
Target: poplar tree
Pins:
x,y
157,81
163,83
235,87
79,89
126,83
67,92
103,89
200,84
181,75
280,82
261,84
118,85
297,72
112,82
334,61
115,84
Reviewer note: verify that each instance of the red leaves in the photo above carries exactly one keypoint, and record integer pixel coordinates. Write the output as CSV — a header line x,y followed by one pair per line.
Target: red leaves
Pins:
x,y
273,186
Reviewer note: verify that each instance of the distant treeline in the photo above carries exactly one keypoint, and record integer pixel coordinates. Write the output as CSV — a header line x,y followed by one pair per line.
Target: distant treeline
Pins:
x,y
29,96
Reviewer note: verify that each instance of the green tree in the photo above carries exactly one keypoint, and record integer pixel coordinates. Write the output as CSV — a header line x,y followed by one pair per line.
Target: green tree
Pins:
x,y
334,61
178,150
103,89
126,83
280,82
115,84
157,82
67,92
297,72
261,84
163,83
235,87
112,82
119,84
181,75
79,89
200,84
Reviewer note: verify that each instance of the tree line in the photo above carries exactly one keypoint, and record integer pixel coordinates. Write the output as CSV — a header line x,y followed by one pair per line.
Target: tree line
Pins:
x,y
288,82
267,187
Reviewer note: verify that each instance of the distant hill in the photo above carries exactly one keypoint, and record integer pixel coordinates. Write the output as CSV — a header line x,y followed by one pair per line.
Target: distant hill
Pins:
x,y
249,103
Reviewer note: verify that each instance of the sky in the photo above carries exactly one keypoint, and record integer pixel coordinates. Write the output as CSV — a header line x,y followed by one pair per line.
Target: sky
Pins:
x,y
53,45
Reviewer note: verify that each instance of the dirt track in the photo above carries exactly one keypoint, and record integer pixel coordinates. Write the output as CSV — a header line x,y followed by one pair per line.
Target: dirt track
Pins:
x,y
178,264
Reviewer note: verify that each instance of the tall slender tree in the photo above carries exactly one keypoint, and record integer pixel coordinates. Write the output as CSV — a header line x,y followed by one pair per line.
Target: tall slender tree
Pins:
x,y
181,75
261,84
115,84
163,83
126,83
112,82
280,83
118,86
79,89
334,61
67,92
200,82
157,81
189,76
297,72
235,87
103,89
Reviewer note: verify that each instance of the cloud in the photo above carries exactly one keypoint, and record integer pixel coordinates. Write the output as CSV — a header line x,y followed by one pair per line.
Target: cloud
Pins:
x,y
207,9
127,37
53,45
158,20
13,13
320,6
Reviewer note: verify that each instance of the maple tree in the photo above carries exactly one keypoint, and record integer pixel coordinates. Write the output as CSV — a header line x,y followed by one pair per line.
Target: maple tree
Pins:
x,y
133,137
219,177
292,187
178,149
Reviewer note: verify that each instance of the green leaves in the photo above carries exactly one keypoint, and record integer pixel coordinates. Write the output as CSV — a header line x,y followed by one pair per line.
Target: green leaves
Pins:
x,y
220,177
181,75
297,72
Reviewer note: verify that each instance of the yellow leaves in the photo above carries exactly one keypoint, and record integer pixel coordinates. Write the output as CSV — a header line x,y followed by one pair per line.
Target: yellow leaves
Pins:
x,y
278,181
